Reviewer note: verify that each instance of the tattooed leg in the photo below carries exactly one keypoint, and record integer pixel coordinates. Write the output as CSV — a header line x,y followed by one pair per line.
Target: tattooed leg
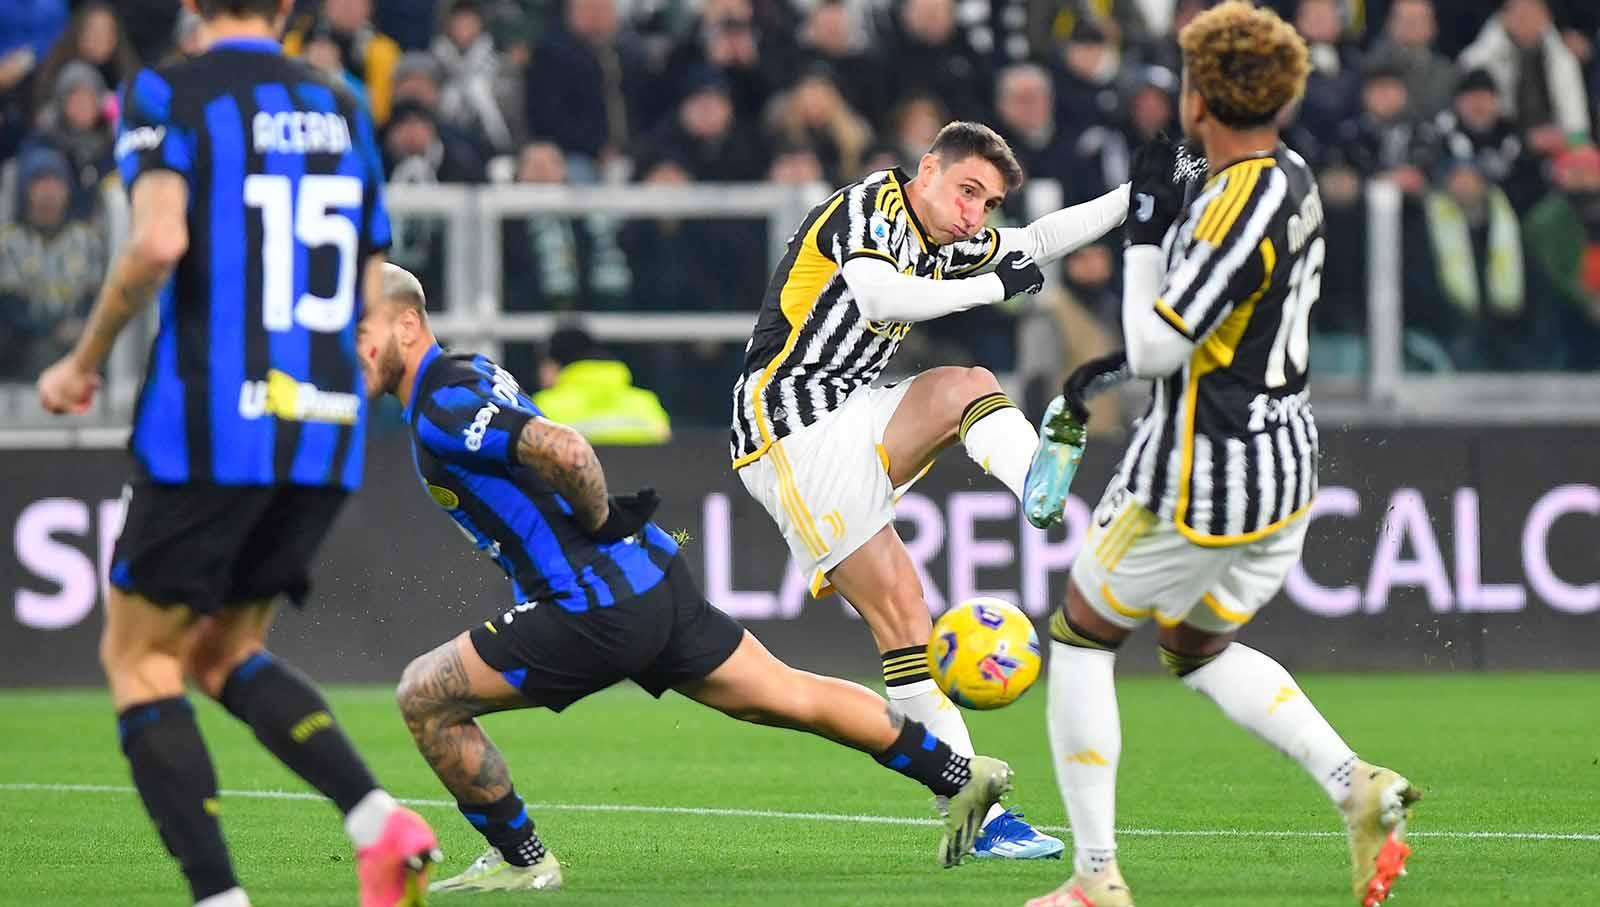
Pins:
x,y
441,694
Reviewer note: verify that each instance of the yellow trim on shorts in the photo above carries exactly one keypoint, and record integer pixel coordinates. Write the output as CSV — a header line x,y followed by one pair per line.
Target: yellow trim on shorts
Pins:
x,y
1224,612
1120,608
1167,623
1142,524
789,495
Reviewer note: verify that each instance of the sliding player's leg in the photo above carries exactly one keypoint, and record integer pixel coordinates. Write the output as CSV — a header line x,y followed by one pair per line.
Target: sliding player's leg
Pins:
x,y
441,694
1259,695
752,685
142,649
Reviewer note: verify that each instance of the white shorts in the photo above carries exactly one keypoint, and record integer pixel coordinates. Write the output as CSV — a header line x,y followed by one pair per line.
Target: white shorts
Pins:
x,y
1135,565
827,485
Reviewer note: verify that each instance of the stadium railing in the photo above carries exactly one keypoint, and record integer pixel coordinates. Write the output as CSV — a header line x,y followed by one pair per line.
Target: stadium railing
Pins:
x,y
1380,392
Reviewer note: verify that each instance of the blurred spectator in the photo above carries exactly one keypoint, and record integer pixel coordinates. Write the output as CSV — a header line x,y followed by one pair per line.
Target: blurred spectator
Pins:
x,y
1085,78
1104,153
366,53
703,136
28,27
1478,307
416,151
95,37
795,165
1334,85
1380,140
417,79
913,124
692,265
320,49
50,268
1025,111
473,89
815,115
587,86
1407,46
931,56
726,40
1474,128
1563,241
592,391
833,36
75,124
553,262
1541,85
409,22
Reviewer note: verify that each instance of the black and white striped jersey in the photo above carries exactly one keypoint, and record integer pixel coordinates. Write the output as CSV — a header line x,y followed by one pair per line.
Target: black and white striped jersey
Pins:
x,y
812,346
1228,448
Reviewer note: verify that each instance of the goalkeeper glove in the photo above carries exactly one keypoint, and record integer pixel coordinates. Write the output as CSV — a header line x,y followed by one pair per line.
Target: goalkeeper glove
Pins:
x,y
627,515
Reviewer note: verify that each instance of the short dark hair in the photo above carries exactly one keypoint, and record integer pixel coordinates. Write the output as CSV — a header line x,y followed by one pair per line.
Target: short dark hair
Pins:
x,y
961,139
266,9
570,343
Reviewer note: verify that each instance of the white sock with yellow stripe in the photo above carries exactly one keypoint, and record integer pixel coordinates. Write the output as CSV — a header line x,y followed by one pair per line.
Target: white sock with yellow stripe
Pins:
x,y
1260,696
1085,745
913,693
1000,439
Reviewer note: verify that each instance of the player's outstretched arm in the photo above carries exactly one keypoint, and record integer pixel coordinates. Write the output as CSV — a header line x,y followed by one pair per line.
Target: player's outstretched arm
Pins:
x,y
884,294
564,459
1067,230
157,238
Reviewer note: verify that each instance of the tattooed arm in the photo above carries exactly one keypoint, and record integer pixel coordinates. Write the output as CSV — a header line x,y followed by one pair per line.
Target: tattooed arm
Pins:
x,y
157,239
561,456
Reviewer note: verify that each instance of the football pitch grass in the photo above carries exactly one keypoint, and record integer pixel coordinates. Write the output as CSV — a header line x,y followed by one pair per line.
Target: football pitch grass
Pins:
x,y
669,803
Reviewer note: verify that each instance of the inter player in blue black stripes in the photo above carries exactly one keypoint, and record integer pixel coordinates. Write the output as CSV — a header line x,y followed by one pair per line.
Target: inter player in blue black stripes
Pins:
x,y
601,596
258,222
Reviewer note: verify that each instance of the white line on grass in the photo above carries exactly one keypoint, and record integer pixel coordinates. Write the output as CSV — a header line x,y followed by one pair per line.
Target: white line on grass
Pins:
x,y
825,817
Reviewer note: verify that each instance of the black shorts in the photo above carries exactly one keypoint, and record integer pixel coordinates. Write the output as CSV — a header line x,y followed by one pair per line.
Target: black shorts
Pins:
x,y
208,546
668,636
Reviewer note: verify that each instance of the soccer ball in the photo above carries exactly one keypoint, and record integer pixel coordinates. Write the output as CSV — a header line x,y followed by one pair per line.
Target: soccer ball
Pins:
x,y
984,653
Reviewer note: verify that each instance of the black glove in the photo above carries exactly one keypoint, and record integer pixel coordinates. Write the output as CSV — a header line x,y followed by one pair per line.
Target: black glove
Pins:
x,y
1092,379
1163,176
1019,273
627,516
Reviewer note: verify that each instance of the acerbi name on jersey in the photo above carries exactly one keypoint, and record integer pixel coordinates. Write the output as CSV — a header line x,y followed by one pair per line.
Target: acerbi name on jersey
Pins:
x,y
296,401
300,132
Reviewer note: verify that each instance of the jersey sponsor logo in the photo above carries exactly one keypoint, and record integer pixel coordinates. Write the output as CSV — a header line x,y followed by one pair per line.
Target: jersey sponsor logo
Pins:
x,y
1265,410
480,425
894,330
296,401
444,497
141,139
300,132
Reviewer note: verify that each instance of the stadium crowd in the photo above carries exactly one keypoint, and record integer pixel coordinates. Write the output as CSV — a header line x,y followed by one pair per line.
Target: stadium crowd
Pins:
x,y
1482,112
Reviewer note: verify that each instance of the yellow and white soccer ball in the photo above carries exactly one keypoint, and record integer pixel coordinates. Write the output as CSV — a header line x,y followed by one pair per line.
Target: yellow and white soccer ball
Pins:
x,y
984,653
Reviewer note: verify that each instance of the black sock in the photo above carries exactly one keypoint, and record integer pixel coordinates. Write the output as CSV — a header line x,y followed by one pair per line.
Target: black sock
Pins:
x,y
292,721
917,754
173,774
507,826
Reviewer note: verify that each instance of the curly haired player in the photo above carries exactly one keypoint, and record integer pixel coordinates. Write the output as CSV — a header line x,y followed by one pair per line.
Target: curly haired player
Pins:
x,y
1206,514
